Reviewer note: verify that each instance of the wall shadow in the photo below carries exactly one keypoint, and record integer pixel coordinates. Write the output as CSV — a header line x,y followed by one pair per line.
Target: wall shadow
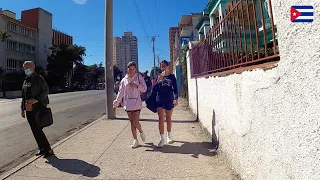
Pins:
x,y
214,138
193,148
74,166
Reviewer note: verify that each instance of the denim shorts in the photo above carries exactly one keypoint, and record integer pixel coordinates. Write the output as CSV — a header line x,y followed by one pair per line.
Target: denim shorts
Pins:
x,y
165,105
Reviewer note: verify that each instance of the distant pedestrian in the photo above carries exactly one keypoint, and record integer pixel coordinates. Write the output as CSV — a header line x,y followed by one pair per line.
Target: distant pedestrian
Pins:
x,y
166,99
117,85
35,98
148,82
130,90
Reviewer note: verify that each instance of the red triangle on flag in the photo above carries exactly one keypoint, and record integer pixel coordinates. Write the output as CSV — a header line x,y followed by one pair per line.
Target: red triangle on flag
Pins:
x,y
294,14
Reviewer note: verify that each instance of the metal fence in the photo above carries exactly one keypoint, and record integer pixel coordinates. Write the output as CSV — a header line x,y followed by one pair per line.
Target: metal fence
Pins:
x,y
245,35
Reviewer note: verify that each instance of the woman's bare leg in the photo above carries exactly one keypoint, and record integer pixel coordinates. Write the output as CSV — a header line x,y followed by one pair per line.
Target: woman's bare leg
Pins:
x,y
133,128
168,120
137,124
161,114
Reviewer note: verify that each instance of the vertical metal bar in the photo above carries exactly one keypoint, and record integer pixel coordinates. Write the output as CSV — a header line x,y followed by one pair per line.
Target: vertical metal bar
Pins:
x,y
264,29
228,39
273,29
210,54
234,13
223,29
233,33
244,32
250,30
256,27
239,29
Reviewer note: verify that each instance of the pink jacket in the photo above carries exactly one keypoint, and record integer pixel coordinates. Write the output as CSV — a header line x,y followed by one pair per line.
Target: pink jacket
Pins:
x,y
131,96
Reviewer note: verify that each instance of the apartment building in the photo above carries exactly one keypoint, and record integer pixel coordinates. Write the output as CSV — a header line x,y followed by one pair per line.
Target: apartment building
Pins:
x,y
125,49
22,46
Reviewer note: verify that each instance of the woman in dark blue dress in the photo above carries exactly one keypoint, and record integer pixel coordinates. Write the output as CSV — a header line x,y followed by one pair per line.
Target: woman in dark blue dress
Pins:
x,y
166,100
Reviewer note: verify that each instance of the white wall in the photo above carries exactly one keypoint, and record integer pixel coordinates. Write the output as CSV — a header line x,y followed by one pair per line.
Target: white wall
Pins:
x,y
268,122
45,37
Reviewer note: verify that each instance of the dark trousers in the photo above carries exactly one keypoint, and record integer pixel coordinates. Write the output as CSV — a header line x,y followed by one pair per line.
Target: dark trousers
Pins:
x,y
38,134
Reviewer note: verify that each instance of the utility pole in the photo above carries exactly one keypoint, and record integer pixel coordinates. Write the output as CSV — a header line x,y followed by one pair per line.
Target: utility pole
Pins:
x,y
153,39
109,81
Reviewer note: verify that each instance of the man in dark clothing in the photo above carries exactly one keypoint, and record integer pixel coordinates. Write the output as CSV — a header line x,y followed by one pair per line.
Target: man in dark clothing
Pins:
x,y
147,80
35,97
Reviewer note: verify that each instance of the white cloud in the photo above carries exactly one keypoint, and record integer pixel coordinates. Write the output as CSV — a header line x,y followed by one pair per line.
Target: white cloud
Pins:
x,y
81,2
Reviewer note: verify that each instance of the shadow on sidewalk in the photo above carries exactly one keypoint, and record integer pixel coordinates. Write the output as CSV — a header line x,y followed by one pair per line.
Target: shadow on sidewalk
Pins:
x,y
193,148
156,120
74,166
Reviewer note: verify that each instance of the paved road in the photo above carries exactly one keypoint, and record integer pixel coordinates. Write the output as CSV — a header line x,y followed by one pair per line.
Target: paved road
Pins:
x,y
71,111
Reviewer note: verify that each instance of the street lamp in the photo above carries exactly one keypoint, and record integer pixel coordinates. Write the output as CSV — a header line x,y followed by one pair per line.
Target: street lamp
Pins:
x,y
109,81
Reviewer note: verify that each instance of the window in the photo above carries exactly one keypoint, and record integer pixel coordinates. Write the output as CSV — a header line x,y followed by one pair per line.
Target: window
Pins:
x,y
11,65
11,45
11,26
33,34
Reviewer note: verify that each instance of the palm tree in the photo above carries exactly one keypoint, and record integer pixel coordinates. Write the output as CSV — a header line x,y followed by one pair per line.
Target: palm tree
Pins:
x,y
4,36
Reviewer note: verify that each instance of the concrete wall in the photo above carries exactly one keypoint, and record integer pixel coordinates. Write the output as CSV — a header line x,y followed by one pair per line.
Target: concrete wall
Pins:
x,y
44,37
267,122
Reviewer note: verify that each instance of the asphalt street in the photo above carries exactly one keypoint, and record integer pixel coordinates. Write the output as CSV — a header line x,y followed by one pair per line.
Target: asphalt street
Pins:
x,y
71,111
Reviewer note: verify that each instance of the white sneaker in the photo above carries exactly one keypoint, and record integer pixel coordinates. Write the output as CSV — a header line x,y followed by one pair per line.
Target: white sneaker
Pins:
x,y
135,144
143,137
169,140
161,143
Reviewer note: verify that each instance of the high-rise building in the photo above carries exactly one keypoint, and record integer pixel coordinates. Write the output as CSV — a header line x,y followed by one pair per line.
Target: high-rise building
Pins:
x,y
172,33
125,49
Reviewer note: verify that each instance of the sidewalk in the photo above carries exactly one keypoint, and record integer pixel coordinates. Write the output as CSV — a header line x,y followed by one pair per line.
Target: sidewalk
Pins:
x,y
102,150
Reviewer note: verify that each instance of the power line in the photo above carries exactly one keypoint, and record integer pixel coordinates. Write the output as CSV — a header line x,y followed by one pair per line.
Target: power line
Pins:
x,y
163,52
140,18
148,15
155,5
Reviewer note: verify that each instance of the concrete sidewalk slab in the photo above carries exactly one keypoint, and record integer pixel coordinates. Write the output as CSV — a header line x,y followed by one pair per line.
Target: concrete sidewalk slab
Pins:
x,y
102,151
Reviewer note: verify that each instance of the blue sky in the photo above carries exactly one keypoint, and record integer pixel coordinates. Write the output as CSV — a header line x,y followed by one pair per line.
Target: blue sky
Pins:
x,y
85,22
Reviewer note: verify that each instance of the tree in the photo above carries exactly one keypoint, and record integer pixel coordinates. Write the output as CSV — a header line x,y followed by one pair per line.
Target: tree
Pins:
x,y
184,73
80,75
61,62
158,71
4,36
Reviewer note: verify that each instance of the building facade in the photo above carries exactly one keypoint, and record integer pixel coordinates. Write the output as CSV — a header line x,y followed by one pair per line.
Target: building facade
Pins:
x,y
22,46
42,20
31,38
172,34
125,49
59,37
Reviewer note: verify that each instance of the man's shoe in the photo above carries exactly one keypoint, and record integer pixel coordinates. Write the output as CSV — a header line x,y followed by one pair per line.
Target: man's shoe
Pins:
x,y
40,152
48,154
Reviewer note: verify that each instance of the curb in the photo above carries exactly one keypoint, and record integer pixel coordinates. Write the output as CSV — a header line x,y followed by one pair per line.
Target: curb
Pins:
x,y
29,161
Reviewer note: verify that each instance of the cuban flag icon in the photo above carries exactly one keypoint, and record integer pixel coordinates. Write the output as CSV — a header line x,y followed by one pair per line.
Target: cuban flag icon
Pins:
x,y
302,13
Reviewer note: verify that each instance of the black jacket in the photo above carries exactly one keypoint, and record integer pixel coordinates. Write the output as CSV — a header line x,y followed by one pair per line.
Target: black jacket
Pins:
x,y
39,90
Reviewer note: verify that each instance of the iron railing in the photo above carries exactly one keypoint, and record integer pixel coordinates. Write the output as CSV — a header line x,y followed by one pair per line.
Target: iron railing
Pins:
x,y
245,35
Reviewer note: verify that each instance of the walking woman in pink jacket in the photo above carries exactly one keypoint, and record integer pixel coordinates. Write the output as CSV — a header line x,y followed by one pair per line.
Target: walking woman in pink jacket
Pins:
x,y
130,88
